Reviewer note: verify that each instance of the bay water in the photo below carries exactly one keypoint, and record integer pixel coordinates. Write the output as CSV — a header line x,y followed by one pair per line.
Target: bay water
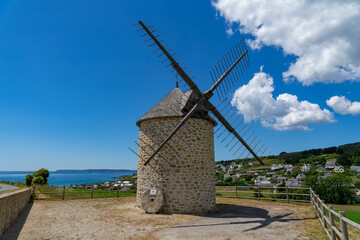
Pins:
x,y
67,177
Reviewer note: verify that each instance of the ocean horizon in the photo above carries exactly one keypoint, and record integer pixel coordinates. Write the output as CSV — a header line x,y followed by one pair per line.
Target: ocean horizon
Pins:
x,y
70,176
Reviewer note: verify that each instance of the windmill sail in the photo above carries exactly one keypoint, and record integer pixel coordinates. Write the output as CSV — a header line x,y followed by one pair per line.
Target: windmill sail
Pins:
x,y
226,80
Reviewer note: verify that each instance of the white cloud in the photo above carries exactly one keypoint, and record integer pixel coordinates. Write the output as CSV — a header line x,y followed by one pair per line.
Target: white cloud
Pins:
x,y
323,34
285,112
343,105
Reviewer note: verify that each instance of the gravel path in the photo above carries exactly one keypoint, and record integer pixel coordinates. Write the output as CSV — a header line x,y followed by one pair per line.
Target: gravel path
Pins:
x,y
117,218
5,187
239,222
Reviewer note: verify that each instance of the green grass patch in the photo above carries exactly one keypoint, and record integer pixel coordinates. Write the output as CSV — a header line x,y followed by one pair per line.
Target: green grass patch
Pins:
x,y
57,192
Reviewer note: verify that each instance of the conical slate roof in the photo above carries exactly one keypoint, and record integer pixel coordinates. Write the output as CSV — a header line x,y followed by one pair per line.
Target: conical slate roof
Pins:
x,y
176,104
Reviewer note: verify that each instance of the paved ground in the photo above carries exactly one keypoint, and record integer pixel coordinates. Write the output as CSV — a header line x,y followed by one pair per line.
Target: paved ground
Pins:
x,y
5,187
117,218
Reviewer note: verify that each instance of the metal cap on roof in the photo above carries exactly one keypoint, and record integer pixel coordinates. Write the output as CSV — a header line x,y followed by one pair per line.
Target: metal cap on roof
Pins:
x,y
176,104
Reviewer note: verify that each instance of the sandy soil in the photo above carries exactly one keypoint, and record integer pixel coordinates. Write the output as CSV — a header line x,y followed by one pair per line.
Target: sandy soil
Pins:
x,y
117,218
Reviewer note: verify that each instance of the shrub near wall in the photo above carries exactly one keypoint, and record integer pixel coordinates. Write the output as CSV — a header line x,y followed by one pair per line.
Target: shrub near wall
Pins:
x,y
11,205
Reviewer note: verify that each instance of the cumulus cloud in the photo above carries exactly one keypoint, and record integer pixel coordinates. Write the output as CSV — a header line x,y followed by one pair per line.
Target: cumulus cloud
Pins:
x,y
285,112
323,35
343,105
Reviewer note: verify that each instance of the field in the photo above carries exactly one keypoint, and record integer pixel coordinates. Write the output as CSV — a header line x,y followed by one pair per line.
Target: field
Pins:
x,y
60,192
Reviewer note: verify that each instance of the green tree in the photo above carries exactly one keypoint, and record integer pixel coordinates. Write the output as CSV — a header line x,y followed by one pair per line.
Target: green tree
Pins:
x,y
357,184
344,160
42,172
334,189
357,161
38,180
28,179
329,150
339,151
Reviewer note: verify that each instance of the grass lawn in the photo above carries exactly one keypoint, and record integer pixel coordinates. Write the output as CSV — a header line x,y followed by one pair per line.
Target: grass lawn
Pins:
x,y
352,212
352,215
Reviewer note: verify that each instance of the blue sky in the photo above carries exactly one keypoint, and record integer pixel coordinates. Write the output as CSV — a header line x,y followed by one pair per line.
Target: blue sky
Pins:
x,y
75,77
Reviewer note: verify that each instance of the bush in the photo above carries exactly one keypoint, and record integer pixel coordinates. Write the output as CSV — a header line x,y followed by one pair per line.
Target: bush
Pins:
x,y
44,173
228,179
28,179
38,177
38,180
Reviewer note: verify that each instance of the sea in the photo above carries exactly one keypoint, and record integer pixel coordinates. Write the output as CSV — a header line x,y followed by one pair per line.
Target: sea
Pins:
x,y
68,177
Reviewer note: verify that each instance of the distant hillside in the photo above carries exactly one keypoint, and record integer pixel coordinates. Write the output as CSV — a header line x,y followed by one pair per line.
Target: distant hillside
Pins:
x,y
347,155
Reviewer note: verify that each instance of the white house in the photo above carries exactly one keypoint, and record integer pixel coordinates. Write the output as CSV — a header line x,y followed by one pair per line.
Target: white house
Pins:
x,y
276,167
330,164
289,168
292,182
300,176
339,169
327,175
260,179
227,175
355,168
306,167
320,169
239,167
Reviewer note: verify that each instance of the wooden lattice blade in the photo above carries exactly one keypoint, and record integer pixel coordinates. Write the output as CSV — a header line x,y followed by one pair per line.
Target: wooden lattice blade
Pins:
x,y
228,126
174,63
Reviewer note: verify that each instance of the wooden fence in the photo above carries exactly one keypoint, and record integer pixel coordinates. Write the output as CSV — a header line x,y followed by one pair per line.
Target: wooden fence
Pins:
x,y
288,194
49,192
326,215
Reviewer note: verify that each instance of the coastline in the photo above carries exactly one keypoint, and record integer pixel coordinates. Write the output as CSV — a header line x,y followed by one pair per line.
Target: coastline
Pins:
x,y
71,177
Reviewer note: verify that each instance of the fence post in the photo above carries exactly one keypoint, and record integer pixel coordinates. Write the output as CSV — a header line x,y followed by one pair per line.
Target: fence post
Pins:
x,y
332,224
259,192
235,191
34,192
343,226
324,216
287,194
117,191
92,191
318,206
63,197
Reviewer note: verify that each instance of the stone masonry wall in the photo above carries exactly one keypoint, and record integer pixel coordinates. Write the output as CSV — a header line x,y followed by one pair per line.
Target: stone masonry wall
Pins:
x,y
184,170
11,204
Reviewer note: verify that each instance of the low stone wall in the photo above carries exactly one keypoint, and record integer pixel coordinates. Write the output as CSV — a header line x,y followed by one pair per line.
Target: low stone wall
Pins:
x,y
11,204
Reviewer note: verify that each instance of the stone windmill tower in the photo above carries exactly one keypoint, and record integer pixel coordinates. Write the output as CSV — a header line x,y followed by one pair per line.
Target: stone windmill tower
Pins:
x,y
176,171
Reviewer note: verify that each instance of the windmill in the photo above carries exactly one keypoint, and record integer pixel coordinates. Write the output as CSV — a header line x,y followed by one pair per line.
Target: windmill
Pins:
x,y
167,155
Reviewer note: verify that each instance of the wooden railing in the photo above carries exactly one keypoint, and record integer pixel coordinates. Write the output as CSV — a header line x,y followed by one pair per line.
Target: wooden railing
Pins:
x,y
50,192
287,194
326,215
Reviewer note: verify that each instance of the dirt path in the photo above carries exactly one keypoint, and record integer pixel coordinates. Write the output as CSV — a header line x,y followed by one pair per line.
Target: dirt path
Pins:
x,y
119,219
5,187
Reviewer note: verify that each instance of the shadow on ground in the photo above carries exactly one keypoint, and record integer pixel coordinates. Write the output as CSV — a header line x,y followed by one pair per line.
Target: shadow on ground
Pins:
x,y
14,230
226,211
